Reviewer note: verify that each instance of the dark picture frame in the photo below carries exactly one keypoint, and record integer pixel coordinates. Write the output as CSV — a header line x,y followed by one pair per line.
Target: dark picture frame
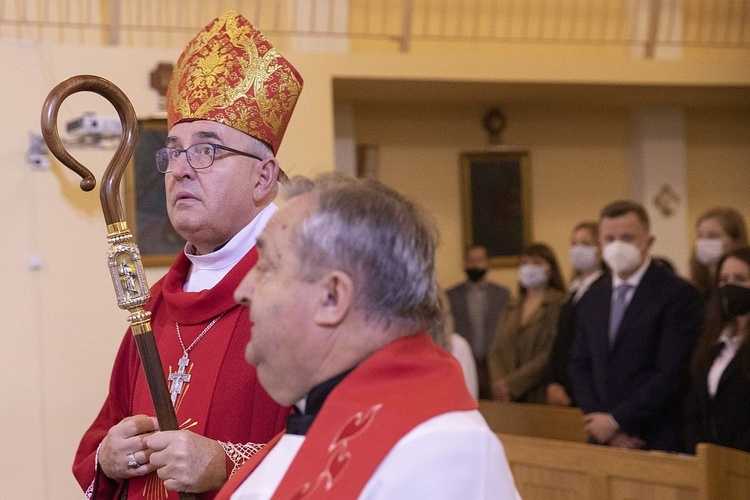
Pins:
x,y
496,203
146,205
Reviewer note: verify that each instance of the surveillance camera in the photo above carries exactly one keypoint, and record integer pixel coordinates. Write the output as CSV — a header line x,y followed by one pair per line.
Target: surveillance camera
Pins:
x,y
92,124
38,161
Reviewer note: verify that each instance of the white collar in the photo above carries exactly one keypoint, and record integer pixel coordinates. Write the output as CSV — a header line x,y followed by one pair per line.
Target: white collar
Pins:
x,y
727,336
301,404
207,270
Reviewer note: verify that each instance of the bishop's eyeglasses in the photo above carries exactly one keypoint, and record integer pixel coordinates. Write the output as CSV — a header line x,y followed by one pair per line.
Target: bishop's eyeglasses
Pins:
x,y
199,156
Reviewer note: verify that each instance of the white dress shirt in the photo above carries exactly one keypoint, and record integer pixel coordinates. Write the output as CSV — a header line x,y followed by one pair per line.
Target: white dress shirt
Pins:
x,y
731,344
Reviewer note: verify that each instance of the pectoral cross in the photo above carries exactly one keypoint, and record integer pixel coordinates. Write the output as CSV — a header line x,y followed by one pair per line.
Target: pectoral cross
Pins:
x,y
179,378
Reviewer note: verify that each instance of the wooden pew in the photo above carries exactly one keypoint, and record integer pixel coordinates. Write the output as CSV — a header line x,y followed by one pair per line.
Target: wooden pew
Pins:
x,y
544,421
547,450
727,471
547,469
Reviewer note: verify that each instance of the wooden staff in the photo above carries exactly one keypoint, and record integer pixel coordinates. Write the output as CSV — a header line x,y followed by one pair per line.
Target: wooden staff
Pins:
x,y
123,256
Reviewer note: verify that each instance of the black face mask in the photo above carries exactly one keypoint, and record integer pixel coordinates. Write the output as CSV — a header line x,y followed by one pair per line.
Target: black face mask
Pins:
x,y
475,274
735,300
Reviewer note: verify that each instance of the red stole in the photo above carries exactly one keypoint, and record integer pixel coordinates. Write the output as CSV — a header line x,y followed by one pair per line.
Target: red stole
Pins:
x,y
193,311
399,387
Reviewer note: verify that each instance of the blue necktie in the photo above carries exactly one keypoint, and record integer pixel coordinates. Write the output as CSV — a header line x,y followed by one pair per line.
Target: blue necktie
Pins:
x,y
619,303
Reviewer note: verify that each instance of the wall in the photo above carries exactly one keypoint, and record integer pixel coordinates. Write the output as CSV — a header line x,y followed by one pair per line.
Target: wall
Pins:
x,y
576,155
718,161
579,162
22,411
61,326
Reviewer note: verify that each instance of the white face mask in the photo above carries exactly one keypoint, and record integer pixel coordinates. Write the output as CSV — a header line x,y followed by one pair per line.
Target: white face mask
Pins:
x,y
708,251
532,275
582,257
622,257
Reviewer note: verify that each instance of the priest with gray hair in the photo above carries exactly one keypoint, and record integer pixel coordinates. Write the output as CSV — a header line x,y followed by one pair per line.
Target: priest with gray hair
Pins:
x,y
342,297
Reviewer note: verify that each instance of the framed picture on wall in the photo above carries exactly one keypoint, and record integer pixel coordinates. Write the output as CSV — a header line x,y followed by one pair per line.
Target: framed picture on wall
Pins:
x,y
496,203
146,205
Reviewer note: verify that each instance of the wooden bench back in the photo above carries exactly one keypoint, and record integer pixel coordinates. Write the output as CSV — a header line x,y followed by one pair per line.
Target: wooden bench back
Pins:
x,y
553,469
543,421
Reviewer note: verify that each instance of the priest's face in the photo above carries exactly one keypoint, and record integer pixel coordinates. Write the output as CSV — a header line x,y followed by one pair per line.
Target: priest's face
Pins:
x,y
283,345
209,206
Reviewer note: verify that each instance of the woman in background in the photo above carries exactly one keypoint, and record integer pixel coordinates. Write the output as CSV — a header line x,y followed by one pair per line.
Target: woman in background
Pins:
x,y
718,403
718,231
520,351
586,258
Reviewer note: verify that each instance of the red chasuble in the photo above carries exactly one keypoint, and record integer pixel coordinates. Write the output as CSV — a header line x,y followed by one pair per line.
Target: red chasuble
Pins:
x,y
223,399
399,387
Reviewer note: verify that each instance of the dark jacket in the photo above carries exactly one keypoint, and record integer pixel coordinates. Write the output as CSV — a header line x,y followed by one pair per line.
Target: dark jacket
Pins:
x,y
498,298
725,418
640,380
562,349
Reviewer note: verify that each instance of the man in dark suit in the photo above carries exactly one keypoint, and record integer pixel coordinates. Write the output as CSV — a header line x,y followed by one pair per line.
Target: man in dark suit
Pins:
x,y
634,333
476,305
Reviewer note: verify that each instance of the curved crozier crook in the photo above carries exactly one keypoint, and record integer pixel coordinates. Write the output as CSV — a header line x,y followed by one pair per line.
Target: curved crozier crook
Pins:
x,y
122,251
109,193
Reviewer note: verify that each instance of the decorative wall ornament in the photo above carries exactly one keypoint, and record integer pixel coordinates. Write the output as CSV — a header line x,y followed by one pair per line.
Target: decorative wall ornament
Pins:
x,y
159,80
494,123
667,200
159,77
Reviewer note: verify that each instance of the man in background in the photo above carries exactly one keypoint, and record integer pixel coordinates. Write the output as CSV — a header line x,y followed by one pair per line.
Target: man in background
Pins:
x,y
476,305
634,333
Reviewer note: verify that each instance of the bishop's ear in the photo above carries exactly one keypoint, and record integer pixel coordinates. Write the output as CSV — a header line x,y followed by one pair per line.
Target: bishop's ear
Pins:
x,y
336,298
268,175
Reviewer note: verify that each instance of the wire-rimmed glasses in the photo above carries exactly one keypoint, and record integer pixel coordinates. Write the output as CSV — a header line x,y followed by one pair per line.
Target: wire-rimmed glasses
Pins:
x,y
199,156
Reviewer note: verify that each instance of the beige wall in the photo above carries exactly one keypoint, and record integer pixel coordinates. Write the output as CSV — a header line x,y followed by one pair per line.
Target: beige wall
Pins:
x,y
21,412
579,162
718,161
61,326
576,155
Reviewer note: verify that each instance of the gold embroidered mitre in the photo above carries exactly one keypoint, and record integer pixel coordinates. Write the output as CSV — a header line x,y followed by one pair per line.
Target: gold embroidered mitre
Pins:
x,y
231,74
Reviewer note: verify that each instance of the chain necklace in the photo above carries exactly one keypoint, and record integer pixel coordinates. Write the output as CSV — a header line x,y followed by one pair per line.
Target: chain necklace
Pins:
x,y
180,378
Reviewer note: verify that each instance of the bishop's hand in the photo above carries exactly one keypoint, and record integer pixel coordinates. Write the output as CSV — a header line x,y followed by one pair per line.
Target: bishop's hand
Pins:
x,y
187,461
123,453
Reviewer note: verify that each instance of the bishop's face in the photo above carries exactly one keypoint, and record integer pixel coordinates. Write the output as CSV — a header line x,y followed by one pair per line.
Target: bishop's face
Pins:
x,y
208,207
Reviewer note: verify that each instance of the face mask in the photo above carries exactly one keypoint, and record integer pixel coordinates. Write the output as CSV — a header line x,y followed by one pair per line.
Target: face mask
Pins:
x,y
582,257
475,274
735,300
621,257
532,275
708,251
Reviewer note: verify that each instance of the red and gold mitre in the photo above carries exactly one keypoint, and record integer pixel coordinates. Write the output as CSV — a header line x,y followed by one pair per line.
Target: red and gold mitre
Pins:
x,y
231,74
